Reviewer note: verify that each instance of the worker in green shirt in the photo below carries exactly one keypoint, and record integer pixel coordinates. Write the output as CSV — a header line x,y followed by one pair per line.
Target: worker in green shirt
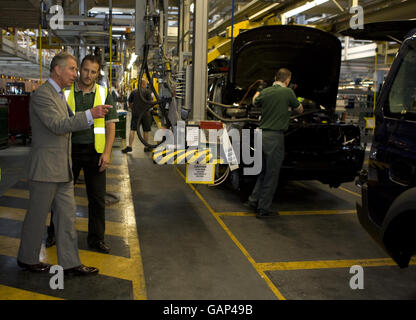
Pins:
x,y
91,149
276,103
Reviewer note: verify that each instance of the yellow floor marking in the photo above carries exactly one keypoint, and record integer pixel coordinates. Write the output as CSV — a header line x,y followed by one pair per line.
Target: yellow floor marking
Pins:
x,y
9,246
10,293
24,194
108,175
81,224
116,229
117,166
12,213
109,265
118,267
290,213
108,187
136,264
236,242
351,192
328,264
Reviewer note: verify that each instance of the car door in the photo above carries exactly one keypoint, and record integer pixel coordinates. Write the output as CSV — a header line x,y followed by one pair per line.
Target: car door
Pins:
x,y
397,131
391,186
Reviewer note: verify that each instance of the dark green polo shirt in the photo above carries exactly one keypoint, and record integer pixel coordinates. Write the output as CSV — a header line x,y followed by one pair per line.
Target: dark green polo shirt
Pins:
x,y
85,101
276,103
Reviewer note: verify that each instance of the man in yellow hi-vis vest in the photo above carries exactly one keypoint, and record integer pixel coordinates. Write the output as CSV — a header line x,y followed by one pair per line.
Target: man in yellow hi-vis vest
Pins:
x,y
91,149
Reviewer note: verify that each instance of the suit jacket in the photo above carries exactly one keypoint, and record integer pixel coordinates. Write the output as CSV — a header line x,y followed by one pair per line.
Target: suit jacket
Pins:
x,y
52,124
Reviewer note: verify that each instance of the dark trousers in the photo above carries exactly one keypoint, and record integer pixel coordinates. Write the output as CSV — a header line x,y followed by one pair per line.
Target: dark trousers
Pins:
x,y
273,151
85,157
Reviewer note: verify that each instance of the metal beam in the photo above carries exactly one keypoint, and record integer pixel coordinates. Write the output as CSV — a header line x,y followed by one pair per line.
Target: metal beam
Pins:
x,y
140,29
200,60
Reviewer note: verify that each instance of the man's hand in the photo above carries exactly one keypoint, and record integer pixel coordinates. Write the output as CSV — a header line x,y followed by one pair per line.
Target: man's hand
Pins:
x,y
100,111
261,86
254,97
103,162
300,109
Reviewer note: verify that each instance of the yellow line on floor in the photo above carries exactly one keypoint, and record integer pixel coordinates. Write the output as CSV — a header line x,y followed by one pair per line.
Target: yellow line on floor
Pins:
x,y
236,242
108,175
108,187
327,264
117,166
351,192
12,213
236,214
24,194
10,293
81,224
290,213
9,246
109,265
139,285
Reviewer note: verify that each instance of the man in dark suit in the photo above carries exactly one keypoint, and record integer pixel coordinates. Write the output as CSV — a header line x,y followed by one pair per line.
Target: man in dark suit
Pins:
x,y
50,170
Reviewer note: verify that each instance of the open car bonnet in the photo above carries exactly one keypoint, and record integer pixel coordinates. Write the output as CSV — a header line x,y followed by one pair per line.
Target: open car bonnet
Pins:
x,y
313,56
383,31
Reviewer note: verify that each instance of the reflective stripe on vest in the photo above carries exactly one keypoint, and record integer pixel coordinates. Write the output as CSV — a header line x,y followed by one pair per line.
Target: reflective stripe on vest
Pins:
x,y
99,124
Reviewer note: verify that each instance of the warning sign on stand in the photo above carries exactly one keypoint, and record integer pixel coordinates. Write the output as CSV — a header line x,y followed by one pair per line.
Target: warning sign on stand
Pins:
x,y
200,173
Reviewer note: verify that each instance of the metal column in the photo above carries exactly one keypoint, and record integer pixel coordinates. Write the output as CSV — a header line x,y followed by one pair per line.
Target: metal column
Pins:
x,y
140,29
200,60
82,48
186,25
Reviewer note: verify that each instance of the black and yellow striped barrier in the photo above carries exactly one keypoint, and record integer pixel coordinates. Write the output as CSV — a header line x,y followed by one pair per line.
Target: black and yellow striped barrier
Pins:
x,y
184,156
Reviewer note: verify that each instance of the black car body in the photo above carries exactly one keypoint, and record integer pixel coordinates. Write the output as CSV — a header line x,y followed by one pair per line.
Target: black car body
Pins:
x,y
318,146
388,207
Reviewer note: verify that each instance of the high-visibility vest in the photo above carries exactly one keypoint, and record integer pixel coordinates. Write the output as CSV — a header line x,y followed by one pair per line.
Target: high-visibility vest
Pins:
x,y
99,124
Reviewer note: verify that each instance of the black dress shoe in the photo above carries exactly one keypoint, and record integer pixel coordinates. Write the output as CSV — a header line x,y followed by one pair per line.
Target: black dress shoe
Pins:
x,y
50,241
100,246
39,267
261,214
81,271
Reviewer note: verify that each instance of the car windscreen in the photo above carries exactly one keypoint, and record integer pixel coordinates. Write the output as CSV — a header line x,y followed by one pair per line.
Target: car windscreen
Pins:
x,y
402,97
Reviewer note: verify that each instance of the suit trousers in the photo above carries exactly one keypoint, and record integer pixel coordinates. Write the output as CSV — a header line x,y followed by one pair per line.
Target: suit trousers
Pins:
x,y
273,151
45,196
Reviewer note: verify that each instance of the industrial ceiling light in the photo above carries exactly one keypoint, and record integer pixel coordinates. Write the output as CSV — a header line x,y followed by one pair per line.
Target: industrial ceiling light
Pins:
x,y
306,6
264,11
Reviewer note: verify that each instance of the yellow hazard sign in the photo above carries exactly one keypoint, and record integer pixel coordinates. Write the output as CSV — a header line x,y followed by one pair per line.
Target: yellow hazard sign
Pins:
x,y
163,155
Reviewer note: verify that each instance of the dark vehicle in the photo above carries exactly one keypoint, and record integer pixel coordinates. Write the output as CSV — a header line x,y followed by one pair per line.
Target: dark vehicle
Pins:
x,y
318,146
388,208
